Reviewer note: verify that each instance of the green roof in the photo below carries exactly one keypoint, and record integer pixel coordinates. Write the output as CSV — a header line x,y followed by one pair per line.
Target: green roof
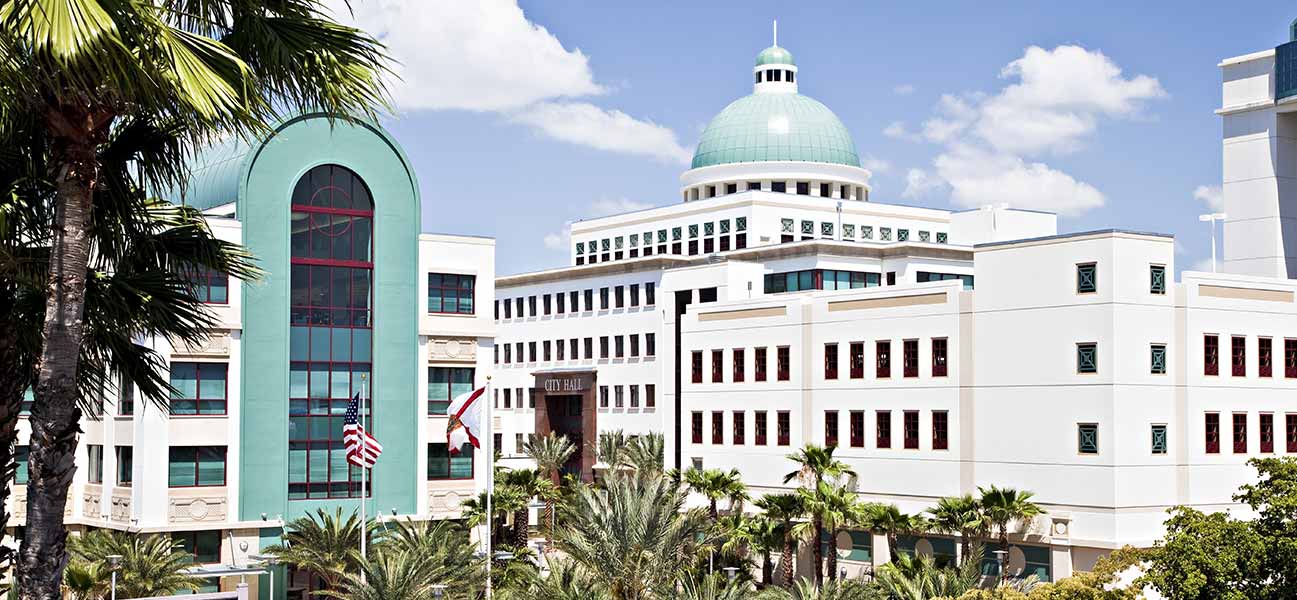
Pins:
x,y
775,55
214,176
775,127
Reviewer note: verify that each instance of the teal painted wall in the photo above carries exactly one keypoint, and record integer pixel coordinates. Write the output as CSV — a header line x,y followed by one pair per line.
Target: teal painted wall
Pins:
x,y
269,173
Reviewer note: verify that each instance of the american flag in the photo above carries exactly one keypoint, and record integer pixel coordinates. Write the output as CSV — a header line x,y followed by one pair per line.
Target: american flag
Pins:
x,y
362,448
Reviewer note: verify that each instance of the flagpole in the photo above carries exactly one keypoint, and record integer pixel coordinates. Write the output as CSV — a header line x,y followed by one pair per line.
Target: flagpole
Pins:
x,y
364,479
490,480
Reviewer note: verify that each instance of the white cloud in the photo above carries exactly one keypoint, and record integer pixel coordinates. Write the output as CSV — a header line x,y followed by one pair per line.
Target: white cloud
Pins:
x,y
588,125
558,241
876,165
904,89
1210,195
978,177
898,130
608,206
919,183
1203,265
487,56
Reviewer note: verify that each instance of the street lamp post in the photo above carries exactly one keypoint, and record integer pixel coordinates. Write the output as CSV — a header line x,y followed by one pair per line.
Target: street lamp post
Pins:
x,y
270,561
114,561
731,572
438,591
1000,557
1212,218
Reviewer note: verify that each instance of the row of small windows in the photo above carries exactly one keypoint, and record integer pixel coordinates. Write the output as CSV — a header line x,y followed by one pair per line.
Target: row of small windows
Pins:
x,y
802,188
187,466
789,229
769,75
610,396
616,346
738,360
760,429
716,237
558,303
883,367
1239,429
1238,356
883,431
1087,278
819,279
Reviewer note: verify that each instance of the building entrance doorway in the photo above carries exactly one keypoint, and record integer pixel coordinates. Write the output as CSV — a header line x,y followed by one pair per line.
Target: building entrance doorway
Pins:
x,y
565,418
565,405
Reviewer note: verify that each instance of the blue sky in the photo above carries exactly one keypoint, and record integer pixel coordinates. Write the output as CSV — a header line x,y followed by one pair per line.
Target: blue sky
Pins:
x,y
520,121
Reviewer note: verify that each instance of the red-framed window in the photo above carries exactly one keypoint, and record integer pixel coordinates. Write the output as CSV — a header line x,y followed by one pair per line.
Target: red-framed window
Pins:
x,y
760,424
199,388
1210,354
718,366
759,364
443,466
738,435
883,358
650,396
696,424
1240,433
783,358
830,361
910,358
331,317
1266,432
883,429
940,430
1211,433
453,294
737,368
1290,427
1238,356
196,466
783,428
718,427
939,357
857,358
857,426
208,286
696,366
1290,358
1264,357
911,424
830,428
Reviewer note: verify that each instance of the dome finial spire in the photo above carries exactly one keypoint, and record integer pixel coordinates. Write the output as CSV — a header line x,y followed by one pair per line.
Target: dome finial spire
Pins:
x,y
774,27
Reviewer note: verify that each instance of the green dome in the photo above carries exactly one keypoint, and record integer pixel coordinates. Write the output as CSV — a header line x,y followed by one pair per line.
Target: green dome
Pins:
x,y
775,127
775,55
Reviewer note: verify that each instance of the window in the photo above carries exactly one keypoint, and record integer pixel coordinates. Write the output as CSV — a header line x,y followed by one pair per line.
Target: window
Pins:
x,y
1264,357
759,421
531,306
1211,432
95,456
830,428
696,422
1290,425
649,297
940,430
911,423
650,344
546,351
634,294
21,460
857,358
589,300
1159,439
736,370
1210,354
939,357
1087,358
202,546
818,279
804,188
718,366
603,298
547,303
830,361
560,304
603,396
1157,279
1087,438
444,384
196,466
634,396
857,426
619,296
718,427
778,186
619,397
518,307
1238,356
650,395
738,436
910,358
125,398
782,358
508,397
603,346
199,388
883,350
619,346
573,300
759,364
1086,278
531,351
125,465
968,281
1157,359
883,429
558,350
696,366
208,286
1266,427
589,348
634,345
1290,358
783,428
442,465
1240,433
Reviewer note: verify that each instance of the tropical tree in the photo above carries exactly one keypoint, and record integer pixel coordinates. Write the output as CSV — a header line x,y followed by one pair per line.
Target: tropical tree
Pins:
x,y
505,501
150,565
647,452
633,536
389,576
784,509
893,523
446,550
551,452
914,577
610,449
324,544
766,535
529,484
716,586
85,580
815,465
715,484
961,515
82,68
838,508
566,580
1003,507
840,589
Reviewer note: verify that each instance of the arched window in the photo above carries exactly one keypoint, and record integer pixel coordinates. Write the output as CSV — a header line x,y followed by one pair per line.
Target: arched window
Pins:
x,y
331,327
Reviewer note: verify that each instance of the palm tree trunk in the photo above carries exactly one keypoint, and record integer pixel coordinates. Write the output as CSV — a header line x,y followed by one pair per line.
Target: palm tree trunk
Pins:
x,y
767,568
832,558
965,545
521,524
790,548
817,552
712,509
549,523
12,384
54,419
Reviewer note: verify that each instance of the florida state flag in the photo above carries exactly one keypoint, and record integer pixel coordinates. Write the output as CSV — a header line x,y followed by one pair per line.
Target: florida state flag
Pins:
x,y
467,420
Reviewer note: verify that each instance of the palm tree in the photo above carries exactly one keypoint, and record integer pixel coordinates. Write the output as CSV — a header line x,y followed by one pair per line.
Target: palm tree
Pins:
x,y
151,565
766,535
839,509
784,509
566,580
504,501
841,589
715,484
712,587
610,449
446,549
919,578
85,580
647,452
893,523
815,464
83,68
633,536
961,515
551,453
323,544
529,484
390,576
1004,506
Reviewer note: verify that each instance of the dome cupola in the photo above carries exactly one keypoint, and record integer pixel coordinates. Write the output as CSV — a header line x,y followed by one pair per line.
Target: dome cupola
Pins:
x,y
775,70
